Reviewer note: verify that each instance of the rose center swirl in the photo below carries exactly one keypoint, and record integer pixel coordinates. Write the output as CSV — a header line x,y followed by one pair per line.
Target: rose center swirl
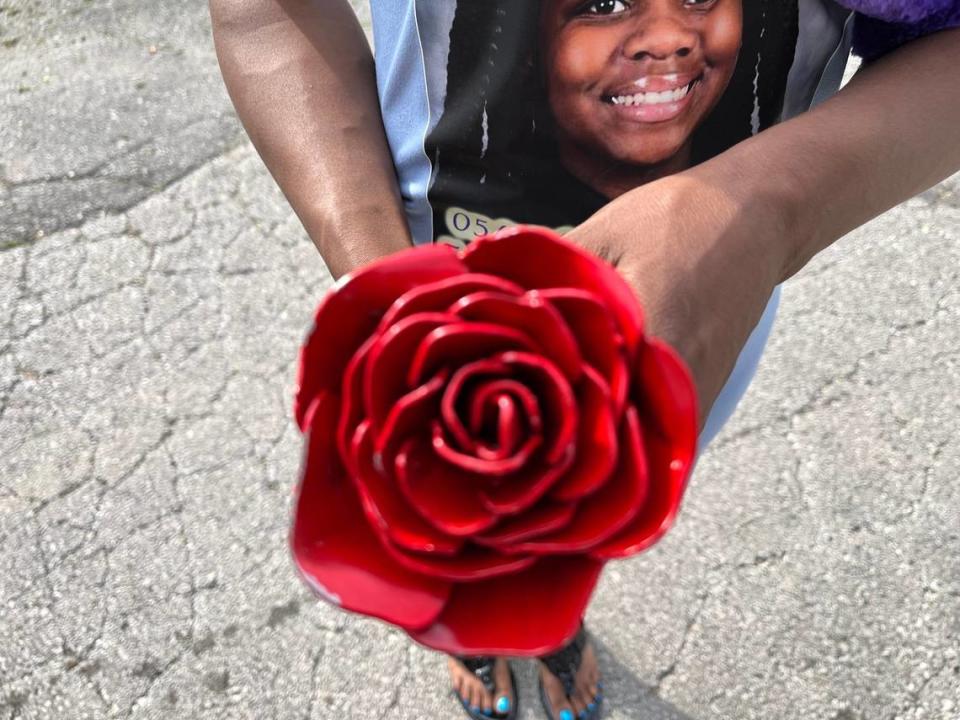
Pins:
x,y
490,423
492,417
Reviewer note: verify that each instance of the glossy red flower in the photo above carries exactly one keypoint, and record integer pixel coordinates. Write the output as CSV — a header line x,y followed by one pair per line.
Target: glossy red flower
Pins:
x,y
486,429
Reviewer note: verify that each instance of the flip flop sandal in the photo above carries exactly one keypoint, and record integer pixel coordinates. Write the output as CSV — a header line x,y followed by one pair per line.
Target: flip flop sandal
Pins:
x,y
482,667
564,665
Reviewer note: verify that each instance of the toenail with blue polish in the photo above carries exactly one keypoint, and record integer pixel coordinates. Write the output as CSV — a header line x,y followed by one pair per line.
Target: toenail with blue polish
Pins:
x,y
488,713
592,706
566,715
503,705
474,708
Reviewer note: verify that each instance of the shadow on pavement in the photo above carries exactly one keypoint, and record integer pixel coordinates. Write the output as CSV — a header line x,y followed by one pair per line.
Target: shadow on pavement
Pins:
x,y
627,696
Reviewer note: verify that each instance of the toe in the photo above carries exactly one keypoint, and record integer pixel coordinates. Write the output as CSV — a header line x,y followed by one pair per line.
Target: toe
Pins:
x,y
588,691
553,688
503,705
482,698
456,681
503,688
583,701
486,702
588,681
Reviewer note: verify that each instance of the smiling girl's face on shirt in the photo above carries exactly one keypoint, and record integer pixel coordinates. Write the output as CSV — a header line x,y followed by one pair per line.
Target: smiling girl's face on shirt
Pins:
x,y
630,80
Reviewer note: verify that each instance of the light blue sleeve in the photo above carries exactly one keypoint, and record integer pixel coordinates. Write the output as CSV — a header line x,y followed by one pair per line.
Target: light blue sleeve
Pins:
x,y
405,106
742,374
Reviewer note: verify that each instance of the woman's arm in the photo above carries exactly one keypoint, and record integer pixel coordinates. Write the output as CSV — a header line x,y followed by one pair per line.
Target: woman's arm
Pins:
x,y
301,76
705,248
893,132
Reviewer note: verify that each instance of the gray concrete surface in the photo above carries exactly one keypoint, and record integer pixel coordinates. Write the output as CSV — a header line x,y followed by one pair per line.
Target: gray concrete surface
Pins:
x,y
154,288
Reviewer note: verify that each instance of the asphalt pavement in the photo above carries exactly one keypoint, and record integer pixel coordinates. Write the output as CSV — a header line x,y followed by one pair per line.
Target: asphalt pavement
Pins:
x,y
154,288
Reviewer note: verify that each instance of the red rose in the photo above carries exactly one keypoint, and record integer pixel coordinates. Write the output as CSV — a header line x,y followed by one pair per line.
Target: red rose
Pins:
x,y
486,429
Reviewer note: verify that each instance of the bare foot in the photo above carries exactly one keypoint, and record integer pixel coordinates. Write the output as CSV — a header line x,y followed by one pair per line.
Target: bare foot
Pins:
x,y
586,690
470,688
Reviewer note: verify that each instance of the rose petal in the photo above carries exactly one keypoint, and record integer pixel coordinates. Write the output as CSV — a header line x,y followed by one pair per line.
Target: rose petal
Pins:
x,y
350,313
439,295
447,498
515,493
509,428
608,510
387,508
597,337
519,491
384,380
528,614
351,408
557,401
488,466
669,409
451,396
336,550
665,393
456,344
530,314
410,416
543,518
596,441
471,373
471,564
530,414
537,258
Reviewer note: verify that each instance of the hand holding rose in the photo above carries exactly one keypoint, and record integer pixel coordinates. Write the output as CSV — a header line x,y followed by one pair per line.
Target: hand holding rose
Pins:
x,y
486,430
703,262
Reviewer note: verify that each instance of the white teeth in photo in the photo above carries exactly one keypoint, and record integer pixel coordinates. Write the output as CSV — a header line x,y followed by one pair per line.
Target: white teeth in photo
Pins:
x,y
653,98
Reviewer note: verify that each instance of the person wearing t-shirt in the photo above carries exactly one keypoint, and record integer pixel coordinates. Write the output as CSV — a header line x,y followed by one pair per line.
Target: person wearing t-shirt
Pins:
x,y
446,135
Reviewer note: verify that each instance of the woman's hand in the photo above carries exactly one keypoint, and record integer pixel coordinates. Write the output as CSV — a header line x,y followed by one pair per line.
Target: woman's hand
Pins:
x,y
703,263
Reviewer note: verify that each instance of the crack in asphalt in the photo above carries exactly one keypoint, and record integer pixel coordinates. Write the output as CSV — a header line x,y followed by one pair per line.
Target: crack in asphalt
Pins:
x,y
687,633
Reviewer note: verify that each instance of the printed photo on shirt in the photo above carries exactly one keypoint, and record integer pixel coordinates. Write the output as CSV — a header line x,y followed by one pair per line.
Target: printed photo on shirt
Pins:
x,y
551,108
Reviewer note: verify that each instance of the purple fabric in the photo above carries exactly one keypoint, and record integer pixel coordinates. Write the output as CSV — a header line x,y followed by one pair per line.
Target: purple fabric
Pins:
x,y
883,25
